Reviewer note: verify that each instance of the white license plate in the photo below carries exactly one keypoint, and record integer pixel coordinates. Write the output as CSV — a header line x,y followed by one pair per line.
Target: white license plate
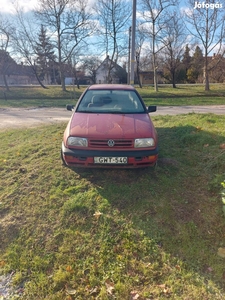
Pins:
x,y
110,160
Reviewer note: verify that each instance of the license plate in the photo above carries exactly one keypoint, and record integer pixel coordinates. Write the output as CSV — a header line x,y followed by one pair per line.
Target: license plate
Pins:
x,y
110,160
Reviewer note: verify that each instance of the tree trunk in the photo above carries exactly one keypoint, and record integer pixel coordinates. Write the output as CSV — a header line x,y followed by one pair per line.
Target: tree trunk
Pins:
x,y
6,83
154,58
173,79
63,82
206,75
37,77
138,78
41,84
155,74
138,70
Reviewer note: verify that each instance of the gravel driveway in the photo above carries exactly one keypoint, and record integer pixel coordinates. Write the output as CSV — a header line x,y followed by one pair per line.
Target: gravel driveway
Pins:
x,y
31,117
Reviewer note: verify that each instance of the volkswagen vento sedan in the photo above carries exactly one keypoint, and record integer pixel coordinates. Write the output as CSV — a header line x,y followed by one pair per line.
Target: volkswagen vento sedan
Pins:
x,y
110,127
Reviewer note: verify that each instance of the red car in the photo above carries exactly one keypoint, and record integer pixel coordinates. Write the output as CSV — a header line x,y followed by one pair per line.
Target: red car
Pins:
x,y
110,127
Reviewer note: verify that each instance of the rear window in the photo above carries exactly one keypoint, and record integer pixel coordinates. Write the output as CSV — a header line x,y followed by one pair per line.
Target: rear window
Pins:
x,y
111,101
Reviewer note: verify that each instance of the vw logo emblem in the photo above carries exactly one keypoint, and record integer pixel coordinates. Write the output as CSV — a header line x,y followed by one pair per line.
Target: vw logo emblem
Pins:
x,y
111,143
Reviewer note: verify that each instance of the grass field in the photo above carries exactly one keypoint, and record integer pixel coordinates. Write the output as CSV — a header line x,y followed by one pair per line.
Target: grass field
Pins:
x,y
115,234
53,96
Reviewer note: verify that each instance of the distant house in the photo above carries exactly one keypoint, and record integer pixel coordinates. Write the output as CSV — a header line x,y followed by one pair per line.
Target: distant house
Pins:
x,y
17,74
77,77
117,74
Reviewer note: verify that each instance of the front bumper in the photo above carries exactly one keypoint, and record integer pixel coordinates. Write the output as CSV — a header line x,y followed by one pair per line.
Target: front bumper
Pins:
x,y
85,158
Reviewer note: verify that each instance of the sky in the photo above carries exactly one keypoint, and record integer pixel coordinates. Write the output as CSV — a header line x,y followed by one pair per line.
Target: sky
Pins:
x,y
7,5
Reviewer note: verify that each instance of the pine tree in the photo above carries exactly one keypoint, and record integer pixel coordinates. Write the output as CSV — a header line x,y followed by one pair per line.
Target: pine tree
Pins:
x,y
186,60
197,63
45,56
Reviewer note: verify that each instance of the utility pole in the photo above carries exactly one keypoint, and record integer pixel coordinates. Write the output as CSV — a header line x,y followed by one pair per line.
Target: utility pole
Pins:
x,y
133,43
128,69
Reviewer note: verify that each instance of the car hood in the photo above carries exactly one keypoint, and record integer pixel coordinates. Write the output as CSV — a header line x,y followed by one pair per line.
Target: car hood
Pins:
x,y
111,125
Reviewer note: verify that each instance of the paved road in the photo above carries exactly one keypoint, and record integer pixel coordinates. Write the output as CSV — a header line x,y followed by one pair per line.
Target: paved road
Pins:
x,y
31,117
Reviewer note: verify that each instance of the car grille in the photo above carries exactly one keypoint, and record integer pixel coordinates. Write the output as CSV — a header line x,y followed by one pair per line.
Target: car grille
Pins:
x,y
104,143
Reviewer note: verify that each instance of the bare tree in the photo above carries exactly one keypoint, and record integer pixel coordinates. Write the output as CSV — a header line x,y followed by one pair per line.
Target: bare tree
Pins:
x,y
5,61
140,39
113,16
206,23
91,64
69,24
155,15
24,39
174,41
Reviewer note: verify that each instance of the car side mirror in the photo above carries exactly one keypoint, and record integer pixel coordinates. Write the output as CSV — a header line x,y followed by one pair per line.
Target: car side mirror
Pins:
x,y
152,108
69,107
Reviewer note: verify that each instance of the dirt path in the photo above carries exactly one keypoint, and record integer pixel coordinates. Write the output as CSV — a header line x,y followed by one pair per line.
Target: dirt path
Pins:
x,y
31,117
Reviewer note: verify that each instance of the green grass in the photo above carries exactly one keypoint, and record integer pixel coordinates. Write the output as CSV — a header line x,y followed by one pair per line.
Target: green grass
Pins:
x,y
115,234
37,96
184,95
53,96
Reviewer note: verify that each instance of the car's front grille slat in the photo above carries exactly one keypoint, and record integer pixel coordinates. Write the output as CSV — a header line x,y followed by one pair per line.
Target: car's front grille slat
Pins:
x,y
117,143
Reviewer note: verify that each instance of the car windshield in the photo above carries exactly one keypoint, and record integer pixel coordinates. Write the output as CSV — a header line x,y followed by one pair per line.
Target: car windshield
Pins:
x,y
111,101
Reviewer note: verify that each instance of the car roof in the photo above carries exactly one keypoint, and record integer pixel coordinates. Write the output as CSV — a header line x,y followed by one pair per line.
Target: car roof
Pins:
x,y
111,87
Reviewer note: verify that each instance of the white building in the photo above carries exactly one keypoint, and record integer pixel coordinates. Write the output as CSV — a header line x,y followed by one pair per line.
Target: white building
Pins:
x,y
110,72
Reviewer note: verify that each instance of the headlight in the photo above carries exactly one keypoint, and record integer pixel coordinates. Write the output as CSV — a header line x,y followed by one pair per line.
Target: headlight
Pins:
x,y
77,141
143,143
